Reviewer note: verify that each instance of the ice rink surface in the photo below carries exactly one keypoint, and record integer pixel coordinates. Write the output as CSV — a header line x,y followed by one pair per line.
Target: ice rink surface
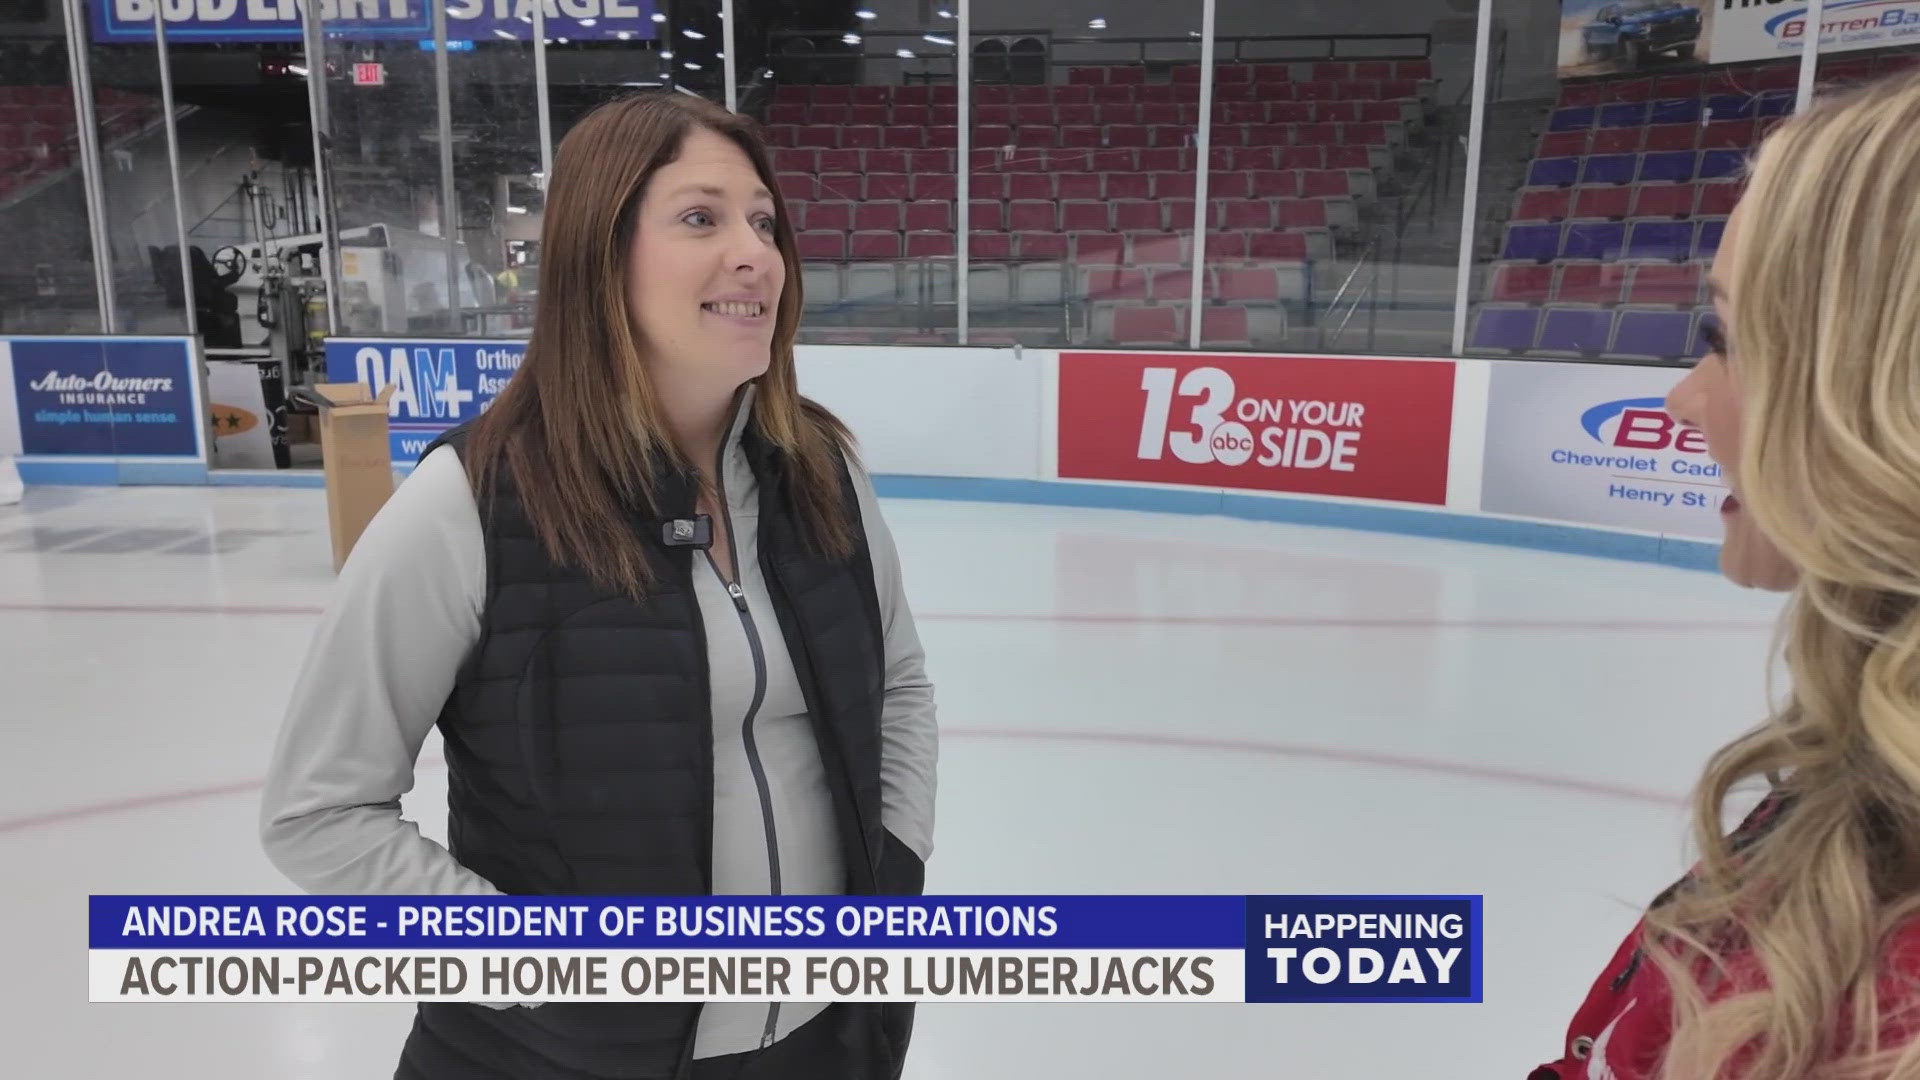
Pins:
x,y
1129,702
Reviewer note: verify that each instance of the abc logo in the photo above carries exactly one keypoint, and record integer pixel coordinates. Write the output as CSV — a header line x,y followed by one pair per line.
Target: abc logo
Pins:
x,y
1231,443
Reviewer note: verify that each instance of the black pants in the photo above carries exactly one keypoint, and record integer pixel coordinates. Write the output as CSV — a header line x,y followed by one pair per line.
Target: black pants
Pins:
x,y
816,1050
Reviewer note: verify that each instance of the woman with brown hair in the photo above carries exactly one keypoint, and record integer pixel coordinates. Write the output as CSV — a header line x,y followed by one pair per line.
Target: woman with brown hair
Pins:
x,y
650,603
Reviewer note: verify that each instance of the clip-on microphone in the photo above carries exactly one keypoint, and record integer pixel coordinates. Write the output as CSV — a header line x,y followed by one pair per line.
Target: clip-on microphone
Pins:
x,y
694,532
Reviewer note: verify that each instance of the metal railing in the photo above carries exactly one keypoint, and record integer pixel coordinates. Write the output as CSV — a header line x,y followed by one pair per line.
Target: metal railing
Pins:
x,y
849,63
1363,282
1233,49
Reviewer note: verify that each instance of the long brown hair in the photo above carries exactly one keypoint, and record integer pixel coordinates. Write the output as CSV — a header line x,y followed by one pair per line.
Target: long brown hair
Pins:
x,y
579,428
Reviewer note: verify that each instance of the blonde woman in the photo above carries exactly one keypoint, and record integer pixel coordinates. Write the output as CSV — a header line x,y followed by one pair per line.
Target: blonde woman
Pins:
x,y
1793,948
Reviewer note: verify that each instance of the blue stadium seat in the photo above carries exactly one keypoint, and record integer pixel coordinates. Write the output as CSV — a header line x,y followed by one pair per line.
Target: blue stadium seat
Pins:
x,y
1775,103
1730,107
1505,329
1602,240
1570,119
1624,114
1708,242
1531,243
1584,331
1653,335
1676,166
1675,111
1671,241
1608,169
1554,172
1718,164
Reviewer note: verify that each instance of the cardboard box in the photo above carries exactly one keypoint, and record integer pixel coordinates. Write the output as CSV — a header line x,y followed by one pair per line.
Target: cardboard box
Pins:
x,y
355,455
301,429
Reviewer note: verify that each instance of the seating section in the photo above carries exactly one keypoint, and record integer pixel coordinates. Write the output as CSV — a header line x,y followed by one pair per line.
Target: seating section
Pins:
x,y
1632,333
37,129
1082,194
1606,243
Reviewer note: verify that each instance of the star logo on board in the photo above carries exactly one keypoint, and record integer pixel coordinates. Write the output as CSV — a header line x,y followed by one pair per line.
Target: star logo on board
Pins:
x,y
230,419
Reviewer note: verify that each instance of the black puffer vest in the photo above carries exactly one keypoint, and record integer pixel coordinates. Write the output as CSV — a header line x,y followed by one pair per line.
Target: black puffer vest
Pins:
x,y
580,761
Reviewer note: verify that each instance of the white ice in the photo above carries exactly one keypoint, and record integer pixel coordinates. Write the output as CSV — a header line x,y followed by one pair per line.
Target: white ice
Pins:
x,y
1130,703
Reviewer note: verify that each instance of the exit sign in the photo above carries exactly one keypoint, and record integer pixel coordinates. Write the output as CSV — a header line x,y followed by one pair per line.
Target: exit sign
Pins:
x,y
369,74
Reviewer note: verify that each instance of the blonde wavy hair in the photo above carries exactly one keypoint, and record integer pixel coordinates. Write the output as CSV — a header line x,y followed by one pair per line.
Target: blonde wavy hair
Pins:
x,y
1825,344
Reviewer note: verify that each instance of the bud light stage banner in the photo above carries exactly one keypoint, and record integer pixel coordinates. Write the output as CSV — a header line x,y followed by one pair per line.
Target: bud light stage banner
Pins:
x,y
104,399
366,20
1594,444
1360,428
799,948
438,384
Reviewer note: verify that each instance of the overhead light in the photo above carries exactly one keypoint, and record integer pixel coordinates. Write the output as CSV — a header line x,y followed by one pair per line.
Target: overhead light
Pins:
x,y
937,39
691,66
1096,24
563,41
297,70
538,175
1193,33
945,14
659,16
588,22
666,54
497,32
904,54
526,19
624,35
694,34
512,209
850,39
863,13
719,56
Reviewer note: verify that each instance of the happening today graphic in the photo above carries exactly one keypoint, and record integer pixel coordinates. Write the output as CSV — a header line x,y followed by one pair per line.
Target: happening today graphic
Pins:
x,y
1173,948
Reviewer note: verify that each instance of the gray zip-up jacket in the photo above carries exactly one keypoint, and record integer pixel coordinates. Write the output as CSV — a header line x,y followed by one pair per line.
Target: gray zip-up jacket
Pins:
x,y
404,614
